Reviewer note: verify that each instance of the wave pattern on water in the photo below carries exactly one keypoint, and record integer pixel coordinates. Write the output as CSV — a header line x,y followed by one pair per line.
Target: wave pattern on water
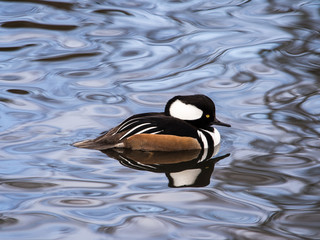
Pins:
x,y
69,70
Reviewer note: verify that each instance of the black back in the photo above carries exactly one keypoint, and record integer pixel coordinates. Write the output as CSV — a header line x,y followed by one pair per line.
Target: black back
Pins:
x,y
159,122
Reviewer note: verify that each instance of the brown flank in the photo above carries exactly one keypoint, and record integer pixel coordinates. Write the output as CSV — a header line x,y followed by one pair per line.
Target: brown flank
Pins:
x,y
160,142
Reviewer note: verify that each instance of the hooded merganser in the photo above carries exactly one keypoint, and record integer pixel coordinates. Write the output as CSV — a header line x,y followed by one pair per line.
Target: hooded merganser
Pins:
x,y
184,125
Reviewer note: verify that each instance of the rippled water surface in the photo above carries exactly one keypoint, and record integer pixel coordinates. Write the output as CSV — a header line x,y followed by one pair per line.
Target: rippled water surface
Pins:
x,y
70,70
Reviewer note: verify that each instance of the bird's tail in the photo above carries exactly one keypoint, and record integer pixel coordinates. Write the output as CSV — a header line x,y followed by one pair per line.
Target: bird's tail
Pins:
x,y
91,144
95,144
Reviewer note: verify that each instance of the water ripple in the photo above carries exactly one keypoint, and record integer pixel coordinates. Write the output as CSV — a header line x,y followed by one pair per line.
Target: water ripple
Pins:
x,y
59,5
27,24
287,220
66,57
69,70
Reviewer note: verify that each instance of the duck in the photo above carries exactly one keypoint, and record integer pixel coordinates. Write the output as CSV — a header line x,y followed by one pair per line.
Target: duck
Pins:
x,y
185,124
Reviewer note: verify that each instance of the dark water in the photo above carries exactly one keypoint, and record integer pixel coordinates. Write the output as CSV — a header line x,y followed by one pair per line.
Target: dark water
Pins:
x,y
69,70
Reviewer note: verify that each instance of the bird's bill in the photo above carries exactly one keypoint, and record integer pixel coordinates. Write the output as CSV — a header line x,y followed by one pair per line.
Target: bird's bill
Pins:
x,y
217,122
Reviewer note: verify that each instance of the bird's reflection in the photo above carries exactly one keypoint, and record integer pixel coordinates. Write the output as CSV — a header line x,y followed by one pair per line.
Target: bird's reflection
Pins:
x,y
191,168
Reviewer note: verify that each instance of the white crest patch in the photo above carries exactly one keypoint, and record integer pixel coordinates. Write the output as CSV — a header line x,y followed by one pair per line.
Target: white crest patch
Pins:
x,y
184,111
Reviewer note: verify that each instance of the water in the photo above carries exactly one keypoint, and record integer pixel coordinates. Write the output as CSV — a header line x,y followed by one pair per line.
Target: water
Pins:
x,y
70,70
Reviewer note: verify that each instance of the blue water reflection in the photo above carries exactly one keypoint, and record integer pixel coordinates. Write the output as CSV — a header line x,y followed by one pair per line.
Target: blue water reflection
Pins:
x,y
69,70
183,169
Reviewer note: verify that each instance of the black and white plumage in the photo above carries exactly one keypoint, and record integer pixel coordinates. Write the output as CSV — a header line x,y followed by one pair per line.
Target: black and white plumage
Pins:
x,y
184,125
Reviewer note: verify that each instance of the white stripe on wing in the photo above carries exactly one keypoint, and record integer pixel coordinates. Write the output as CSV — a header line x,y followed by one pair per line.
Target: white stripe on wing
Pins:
x,y
130,131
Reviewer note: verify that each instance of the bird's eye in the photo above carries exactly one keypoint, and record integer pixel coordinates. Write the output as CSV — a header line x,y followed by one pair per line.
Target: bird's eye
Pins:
x,y
208,116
